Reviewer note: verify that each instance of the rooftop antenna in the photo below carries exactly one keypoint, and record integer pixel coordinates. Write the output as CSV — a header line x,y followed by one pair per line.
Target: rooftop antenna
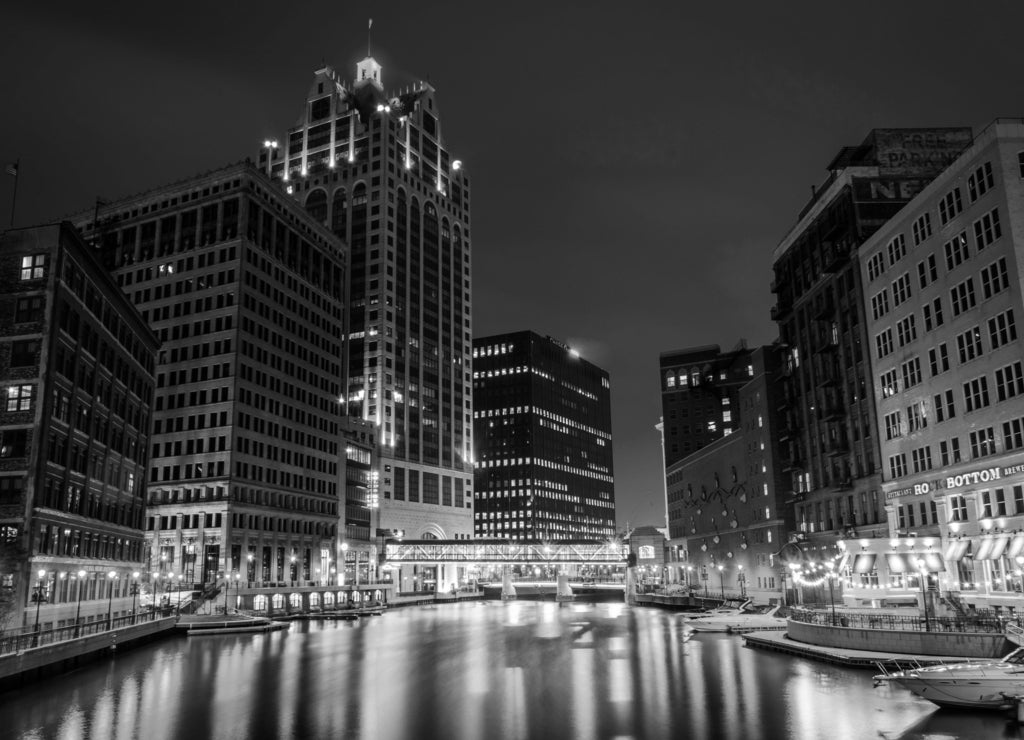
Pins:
x,y
368,27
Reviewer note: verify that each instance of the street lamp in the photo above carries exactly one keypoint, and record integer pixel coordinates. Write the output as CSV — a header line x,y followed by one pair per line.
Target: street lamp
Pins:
x,y
155,589
721,575
343,566
831,593
39,601
742,578
782,577
704,577
179,576
78,611
238,577
689,579
110,602
922,576
248,570
135,592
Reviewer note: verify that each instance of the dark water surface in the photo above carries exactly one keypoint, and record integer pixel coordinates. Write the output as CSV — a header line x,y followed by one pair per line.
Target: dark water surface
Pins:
x,y
484,670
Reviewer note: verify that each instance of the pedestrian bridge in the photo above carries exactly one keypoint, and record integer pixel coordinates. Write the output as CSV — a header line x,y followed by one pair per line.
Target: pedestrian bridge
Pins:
x,y
581,552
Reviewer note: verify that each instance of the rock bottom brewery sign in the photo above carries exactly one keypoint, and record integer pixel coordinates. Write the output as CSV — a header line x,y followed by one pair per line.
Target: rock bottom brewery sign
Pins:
x,y
955,481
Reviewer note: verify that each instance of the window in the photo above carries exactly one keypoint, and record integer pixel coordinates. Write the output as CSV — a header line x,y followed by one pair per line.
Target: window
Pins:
x,y
968,344
944,405
897,465
950,451
962,296
29,309
927,271
13,443
893,425
957,250
1002,329
19,398
976,393
987,229
938,358
906,330
876,265
994,278
921,458
932,313
980,182
883,343
922,228
33,267
957,509
23,352
1010,381
950,206
880,304
911,372
1013,434
897,248
916,417
983,442
901,289
889,383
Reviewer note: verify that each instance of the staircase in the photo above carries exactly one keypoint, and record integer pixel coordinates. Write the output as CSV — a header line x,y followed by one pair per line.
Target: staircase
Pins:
x,y
952,602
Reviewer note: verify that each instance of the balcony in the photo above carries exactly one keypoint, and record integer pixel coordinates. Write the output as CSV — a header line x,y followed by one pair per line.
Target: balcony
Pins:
x,y
837,447
834,255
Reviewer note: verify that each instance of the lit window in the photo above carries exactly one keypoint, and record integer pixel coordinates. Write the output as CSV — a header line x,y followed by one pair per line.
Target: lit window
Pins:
x,y
33,266
19,398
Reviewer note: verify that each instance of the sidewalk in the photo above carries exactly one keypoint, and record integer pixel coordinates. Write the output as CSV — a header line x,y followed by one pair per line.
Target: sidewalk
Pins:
x,y
780,642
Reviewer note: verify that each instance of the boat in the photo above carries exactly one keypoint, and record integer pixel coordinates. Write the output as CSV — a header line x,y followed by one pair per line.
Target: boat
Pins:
x,y
720,611
987,683
743,622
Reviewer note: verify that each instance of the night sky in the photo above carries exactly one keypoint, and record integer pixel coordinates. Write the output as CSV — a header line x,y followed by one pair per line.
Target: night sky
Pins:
x,y
633,164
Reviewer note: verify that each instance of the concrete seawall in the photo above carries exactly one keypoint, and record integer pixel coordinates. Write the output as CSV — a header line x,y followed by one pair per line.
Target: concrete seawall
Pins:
x,y
966,644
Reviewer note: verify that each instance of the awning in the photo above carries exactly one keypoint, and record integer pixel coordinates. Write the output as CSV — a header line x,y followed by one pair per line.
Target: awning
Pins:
x,y
933,562
956,550
865,563
896,563
992,547
1016,546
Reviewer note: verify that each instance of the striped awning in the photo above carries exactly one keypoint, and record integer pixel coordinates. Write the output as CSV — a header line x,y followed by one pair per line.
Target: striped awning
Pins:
x,y
896,563
1016,546
865,562
933,562
956,550
991,547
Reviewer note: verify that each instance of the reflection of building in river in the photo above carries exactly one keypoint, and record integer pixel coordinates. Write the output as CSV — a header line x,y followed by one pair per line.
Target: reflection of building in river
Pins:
x,y
943,284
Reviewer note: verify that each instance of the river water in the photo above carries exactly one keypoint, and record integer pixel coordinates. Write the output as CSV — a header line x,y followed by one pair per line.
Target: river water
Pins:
x,y
477,671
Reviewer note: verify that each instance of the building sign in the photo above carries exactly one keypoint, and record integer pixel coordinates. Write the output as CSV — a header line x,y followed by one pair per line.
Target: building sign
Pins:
x,y
646,552
911,151
871,189
918,489
972,478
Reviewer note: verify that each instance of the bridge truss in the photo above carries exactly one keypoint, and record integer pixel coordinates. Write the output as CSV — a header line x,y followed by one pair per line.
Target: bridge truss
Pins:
x,y
493,551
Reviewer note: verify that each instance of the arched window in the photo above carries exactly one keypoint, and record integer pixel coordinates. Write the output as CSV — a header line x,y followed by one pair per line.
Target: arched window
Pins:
x,y
316,205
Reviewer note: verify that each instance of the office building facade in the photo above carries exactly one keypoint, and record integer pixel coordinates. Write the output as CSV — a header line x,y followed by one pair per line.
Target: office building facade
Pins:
x,y
727,508
77,369
374,168
246,292
830,450
943,284
543,431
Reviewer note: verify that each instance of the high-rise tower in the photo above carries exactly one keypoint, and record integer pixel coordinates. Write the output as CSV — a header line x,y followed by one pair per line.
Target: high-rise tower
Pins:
x,y
373,167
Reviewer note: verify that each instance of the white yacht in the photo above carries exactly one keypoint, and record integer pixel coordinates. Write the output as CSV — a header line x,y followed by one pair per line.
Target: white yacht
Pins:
x,y
977,684
745,621
720,611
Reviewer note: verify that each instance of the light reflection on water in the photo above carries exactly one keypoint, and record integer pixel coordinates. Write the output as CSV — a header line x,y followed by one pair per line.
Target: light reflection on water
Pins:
x,y
508,671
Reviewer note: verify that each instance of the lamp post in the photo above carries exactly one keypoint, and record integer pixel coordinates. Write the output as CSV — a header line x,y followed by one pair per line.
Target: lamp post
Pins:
x,y
238,578
922,575
78,611
39,601
343,565
155,588
110,602
831,594
721,576
134,588
704,577
270,145
248,570
689,581
782,577
742,578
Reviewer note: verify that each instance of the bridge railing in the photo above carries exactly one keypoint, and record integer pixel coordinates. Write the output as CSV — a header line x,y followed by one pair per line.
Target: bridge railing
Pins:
x,y
16,641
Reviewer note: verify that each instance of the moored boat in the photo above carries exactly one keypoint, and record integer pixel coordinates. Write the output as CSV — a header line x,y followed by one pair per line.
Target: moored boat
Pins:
x,y
976,684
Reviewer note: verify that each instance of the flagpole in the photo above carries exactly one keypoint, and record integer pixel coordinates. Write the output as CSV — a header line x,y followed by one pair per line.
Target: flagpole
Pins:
x,y
14,197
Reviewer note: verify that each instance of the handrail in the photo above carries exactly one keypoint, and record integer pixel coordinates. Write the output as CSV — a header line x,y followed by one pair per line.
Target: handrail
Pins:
x,y
899,622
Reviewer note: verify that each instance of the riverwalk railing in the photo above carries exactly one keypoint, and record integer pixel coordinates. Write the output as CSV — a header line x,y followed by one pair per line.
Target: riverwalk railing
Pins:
x,y
902,622
15,642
